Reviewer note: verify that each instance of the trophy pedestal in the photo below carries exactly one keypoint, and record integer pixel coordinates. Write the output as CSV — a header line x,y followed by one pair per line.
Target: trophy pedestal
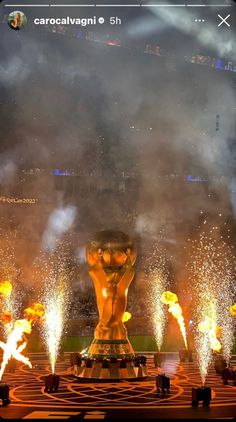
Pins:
x,y
105,349
111,360
110,369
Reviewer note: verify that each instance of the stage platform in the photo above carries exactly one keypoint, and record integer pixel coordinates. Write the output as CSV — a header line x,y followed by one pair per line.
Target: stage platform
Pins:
x,y
79,400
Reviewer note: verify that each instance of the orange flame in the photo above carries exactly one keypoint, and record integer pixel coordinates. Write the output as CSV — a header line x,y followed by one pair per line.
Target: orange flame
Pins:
x,y
168,298
218,332
11,348
6,317
126,316
35,312
233,310
209,326
5,288
171,299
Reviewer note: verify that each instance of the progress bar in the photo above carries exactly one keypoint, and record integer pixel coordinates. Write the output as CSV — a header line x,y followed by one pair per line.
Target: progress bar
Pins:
x,y
118,5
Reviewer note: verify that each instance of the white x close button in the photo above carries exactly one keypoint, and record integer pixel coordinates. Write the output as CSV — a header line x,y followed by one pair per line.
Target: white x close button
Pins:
x,y
224,20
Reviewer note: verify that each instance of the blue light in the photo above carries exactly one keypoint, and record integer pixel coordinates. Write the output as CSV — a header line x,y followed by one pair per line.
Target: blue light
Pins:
x,y
191,178
58,172
219,64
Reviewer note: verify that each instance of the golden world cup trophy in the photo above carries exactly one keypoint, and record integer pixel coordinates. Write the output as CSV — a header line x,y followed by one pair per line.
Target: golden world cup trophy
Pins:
x,y
111,256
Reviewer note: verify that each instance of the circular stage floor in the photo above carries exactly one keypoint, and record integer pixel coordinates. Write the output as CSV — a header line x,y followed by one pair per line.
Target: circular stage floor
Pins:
x,y
79,400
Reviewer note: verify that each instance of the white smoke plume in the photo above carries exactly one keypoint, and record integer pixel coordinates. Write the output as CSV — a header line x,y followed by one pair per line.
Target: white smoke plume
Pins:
x,y
7,172
59,222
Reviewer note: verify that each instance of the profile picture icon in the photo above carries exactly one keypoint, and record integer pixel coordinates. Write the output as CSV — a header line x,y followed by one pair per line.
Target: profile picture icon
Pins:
x,y
16,20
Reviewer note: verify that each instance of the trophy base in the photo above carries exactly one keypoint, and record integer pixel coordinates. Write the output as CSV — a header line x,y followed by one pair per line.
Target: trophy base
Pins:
x,y
110,360
110,349
110,369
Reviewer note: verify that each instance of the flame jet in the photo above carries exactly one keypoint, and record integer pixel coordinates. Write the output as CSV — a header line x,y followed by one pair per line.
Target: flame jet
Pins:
x,y
6,317
171,299
209,326
5,288
11,349
233,310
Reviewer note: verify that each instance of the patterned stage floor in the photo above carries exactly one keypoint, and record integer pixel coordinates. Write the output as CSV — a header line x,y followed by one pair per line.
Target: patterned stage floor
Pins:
x,y
104,400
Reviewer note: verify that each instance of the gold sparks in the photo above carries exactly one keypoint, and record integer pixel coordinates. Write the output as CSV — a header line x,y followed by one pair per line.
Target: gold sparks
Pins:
x,y
209,326
55,300
211,270
8,273
54,321
157,276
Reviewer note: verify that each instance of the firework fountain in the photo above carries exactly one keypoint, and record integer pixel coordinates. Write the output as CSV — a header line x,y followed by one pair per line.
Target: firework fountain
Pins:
x,y
159,314
55,299
209,326
8,273
6,315
55,307
157,274
211,268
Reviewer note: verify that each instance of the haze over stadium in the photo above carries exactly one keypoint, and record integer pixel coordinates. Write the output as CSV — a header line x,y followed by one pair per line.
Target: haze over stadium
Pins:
x,y
128,127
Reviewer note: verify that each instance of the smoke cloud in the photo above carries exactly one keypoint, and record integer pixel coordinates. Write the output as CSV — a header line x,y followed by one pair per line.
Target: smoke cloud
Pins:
x,y
59,222
135,134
